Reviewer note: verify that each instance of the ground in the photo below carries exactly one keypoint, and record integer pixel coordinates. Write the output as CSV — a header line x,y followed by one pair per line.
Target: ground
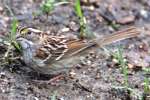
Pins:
x,y
98,76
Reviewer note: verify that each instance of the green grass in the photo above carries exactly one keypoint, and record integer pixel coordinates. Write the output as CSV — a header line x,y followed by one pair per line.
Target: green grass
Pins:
x,y
53,97
122,63
84,30
146,70
114,25
78,10
49,5
146,85
11,39
118,55
146,80
13,34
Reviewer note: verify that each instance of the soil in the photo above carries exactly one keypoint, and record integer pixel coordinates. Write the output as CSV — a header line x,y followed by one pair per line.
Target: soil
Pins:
x,y
98,75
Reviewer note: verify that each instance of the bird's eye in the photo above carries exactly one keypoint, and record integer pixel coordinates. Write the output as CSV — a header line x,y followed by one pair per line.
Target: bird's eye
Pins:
x,y
29,32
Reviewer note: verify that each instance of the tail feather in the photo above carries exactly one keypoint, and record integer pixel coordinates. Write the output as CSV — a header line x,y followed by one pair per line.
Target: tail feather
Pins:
x,y
118,36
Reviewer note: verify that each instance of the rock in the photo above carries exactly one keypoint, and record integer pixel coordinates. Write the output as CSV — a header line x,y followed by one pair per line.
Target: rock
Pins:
x,y
126,20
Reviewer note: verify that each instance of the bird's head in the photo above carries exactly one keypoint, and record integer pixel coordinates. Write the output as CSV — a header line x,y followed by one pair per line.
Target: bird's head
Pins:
x,y
28,33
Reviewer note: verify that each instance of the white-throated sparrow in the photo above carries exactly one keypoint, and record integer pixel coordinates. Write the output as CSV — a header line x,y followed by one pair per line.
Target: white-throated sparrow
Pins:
x,y
49,54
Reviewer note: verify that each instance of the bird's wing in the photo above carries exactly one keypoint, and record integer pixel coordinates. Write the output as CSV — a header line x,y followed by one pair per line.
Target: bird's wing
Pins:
x,y
54,48
51,48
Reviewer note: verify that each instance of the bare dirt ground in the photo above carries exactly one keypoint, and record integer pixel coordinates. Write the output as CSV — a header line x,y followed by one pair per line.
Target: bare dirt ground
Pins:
x,y
97,76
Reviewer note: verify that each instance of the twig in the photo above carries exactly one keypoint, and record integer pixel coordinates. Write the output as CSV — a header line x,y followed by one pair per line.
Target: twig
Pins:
x,y
81,86
7,52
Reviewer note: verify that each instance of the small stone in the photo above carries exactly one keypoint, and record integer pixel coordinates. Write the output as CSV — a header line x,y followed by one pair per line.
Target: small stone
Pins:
x,y
1,9
92,8
36,98
143,47
6,18
140,46
93,1
61,98
2,75
89,69
65,29
85,1
89,62
144,13
127,19
130,66
98,75
115,61
78,66
73,26
72,74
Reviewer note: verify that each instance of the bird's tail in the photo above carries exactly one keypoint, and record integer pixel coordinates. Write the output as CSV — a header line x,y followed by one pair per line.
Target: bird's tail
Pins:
x,y
118,36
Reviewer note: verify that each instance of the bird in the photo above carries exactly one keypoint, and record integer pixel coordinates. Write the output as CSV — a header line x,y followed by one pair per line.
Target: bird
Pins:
x,y
53,54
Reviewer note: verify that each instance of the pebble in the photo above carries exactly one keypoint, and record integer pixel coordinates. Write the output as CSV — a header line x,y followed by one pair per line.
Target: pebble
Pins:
x,y
127,19
1,9
72,73
144,13
66,29
92,8
130,66
115,61
73,26
98,75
